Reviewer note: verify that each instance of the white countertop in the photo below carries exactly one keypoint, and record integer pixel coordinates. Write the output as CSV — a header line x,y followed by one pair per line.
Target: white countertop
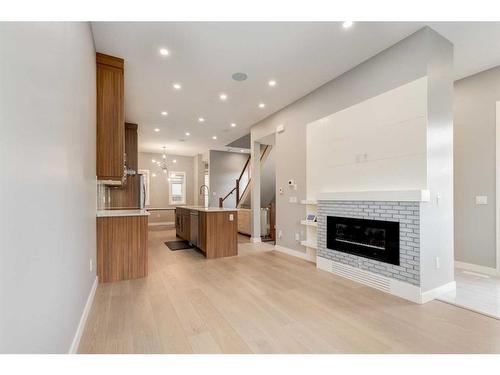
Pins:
x,y
113,213
208,209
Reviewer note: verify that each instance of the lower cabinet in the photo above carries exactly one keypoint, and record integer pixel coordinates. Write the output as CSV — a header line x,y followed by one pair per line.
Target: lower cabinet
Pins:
x,y
122,248
183,223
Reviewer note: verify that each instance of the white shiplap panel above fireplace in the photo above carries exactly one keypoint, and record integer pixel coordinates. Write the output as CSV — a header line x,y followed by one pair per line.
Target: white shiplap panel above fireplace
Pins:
x,y
379,144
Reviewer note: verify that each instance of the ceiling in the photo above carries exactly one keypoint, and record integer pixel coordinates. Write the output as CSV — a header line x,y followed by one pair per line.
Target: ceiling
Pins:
x,y
300,56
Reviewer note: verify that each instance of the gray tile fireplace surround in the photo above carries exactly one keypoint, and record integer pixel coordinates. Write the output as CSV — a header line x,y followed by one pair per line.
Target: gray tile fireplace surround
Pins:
x,y
406,213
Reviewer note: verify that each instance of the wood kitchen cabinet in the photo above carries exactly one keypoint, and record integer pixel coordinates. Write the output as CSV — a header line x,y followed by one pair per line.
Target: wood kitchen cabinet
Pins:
x,y
110,145
128,195
183,223
122,248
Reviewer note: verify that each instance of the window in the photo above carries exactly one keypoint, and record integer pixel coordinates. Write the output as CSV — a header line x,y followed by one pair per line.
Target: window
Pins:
x,y
177,188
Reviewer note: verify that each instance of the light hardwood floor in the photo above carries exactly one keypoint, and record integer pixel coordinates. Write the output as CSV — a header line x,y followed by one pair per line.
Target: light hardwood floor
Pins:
x,y
264,301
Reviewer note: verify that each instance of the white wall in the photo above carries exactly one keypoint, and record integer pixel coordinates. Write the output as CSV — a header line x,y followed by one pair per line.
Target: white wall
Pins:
x,y
224,168
378,144
47,159
474,156
159,193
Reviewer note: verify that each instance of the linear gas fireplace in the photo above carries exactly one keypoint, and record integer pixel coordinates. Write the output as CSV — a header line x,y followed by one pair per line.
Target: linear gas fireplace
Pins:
x,y
374,239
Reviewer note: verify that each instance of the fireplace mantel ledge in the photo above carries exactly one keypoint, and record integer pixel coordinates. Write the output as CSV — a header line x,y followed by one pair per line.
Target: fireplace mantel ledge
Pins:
x,y
377,195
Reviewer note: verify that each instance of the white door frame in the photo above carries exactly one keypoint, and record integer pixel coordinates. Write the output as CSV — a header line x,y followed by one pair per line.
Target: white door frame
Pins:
x,y
497,188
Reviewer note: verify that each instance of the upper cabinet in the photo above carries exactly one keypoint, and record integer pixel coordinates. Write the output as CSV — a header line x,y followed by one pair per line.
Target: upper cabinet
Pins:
x,y
110,161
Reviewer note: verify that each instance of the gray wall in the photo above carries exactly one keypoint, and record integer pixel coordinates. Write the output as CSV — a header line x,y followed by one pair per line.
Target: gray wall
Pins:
x,y
224,169
475,134
158,190
268,179
47,159
397,65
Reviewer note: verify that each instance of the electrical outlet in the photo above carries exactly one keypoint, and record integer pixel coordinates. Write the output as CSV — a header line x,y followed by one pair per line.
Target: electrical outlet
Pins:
x,y
438,264
297,237
481,199
280,233
231,217
91,265
293,200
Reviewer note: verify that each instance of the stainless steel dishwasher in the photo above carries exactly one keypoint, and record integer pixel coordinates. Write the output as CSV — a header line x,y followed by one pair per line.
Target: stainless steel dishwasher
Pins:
x,y
194,227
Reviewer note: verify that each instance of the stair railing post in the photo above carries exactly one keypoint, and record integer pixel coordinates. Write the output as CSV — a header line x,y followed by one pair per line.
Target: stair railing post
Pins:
x,y
237,192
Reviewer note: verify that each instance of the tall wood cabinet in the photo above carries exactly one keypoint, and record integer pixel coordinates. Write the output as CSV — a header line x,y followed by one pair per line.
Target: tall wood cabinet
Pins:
x,y
110,145
128,194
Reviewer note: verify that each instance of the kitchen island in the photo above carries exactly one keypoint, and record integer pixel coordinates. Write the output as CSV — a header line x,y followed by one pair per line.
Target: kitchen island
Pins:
x,y
213,230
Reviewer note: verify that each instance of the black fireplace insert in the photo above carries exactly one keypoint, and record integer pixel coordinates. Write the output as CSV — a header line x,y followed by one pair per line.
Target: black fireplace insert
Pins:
x,y
374,239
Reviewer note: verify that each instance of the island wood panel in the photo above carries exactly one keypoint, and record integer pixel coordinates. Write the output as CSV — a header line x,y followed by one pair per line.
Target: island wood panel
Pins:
x,y
244,221
221,234
122,248
202,231
110,137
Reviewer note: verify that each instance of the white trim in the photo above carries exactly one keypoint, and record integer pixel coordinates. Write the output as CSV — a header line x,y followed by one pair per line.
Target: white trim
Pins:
x,y
477,268
310,244
436,292
83,319
174,174
255,239
309,223
159,223
309,202
310,256
398,288
380,195
497,189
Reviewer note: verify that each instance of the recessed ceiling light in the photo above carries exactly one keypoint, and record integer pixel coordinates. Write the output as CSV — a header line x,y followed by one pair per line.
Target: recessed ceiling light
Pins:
x,y
242,150
188,134
233,125
240,76
347,24
164,113
261,105
153,160
164,52
223,96
157,130
177,86
174,161
201,119
214,137
154,174
272,83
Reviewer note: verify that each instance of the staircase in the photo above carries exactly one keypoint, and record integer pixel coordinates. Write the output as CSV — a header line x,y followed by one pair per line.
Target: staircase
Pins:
x,y
242,189
243,185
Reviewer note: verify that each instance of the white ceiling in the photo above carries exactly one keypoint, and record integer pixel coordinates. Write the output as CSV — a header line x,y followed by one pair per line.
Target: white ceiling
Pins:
x,y
301,56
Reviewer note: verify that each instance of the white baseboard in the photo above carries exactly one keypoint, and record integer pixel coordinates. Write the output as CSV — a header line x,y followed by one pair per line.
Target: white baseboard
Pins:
x,y
255,239
436,292
83,319
309,256
395,287
477,268
158,223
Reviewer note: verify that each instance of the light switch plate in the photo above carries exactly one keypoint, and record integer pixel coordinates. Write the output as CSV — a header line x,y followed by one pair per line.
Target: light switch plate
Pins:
x,y
481,199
